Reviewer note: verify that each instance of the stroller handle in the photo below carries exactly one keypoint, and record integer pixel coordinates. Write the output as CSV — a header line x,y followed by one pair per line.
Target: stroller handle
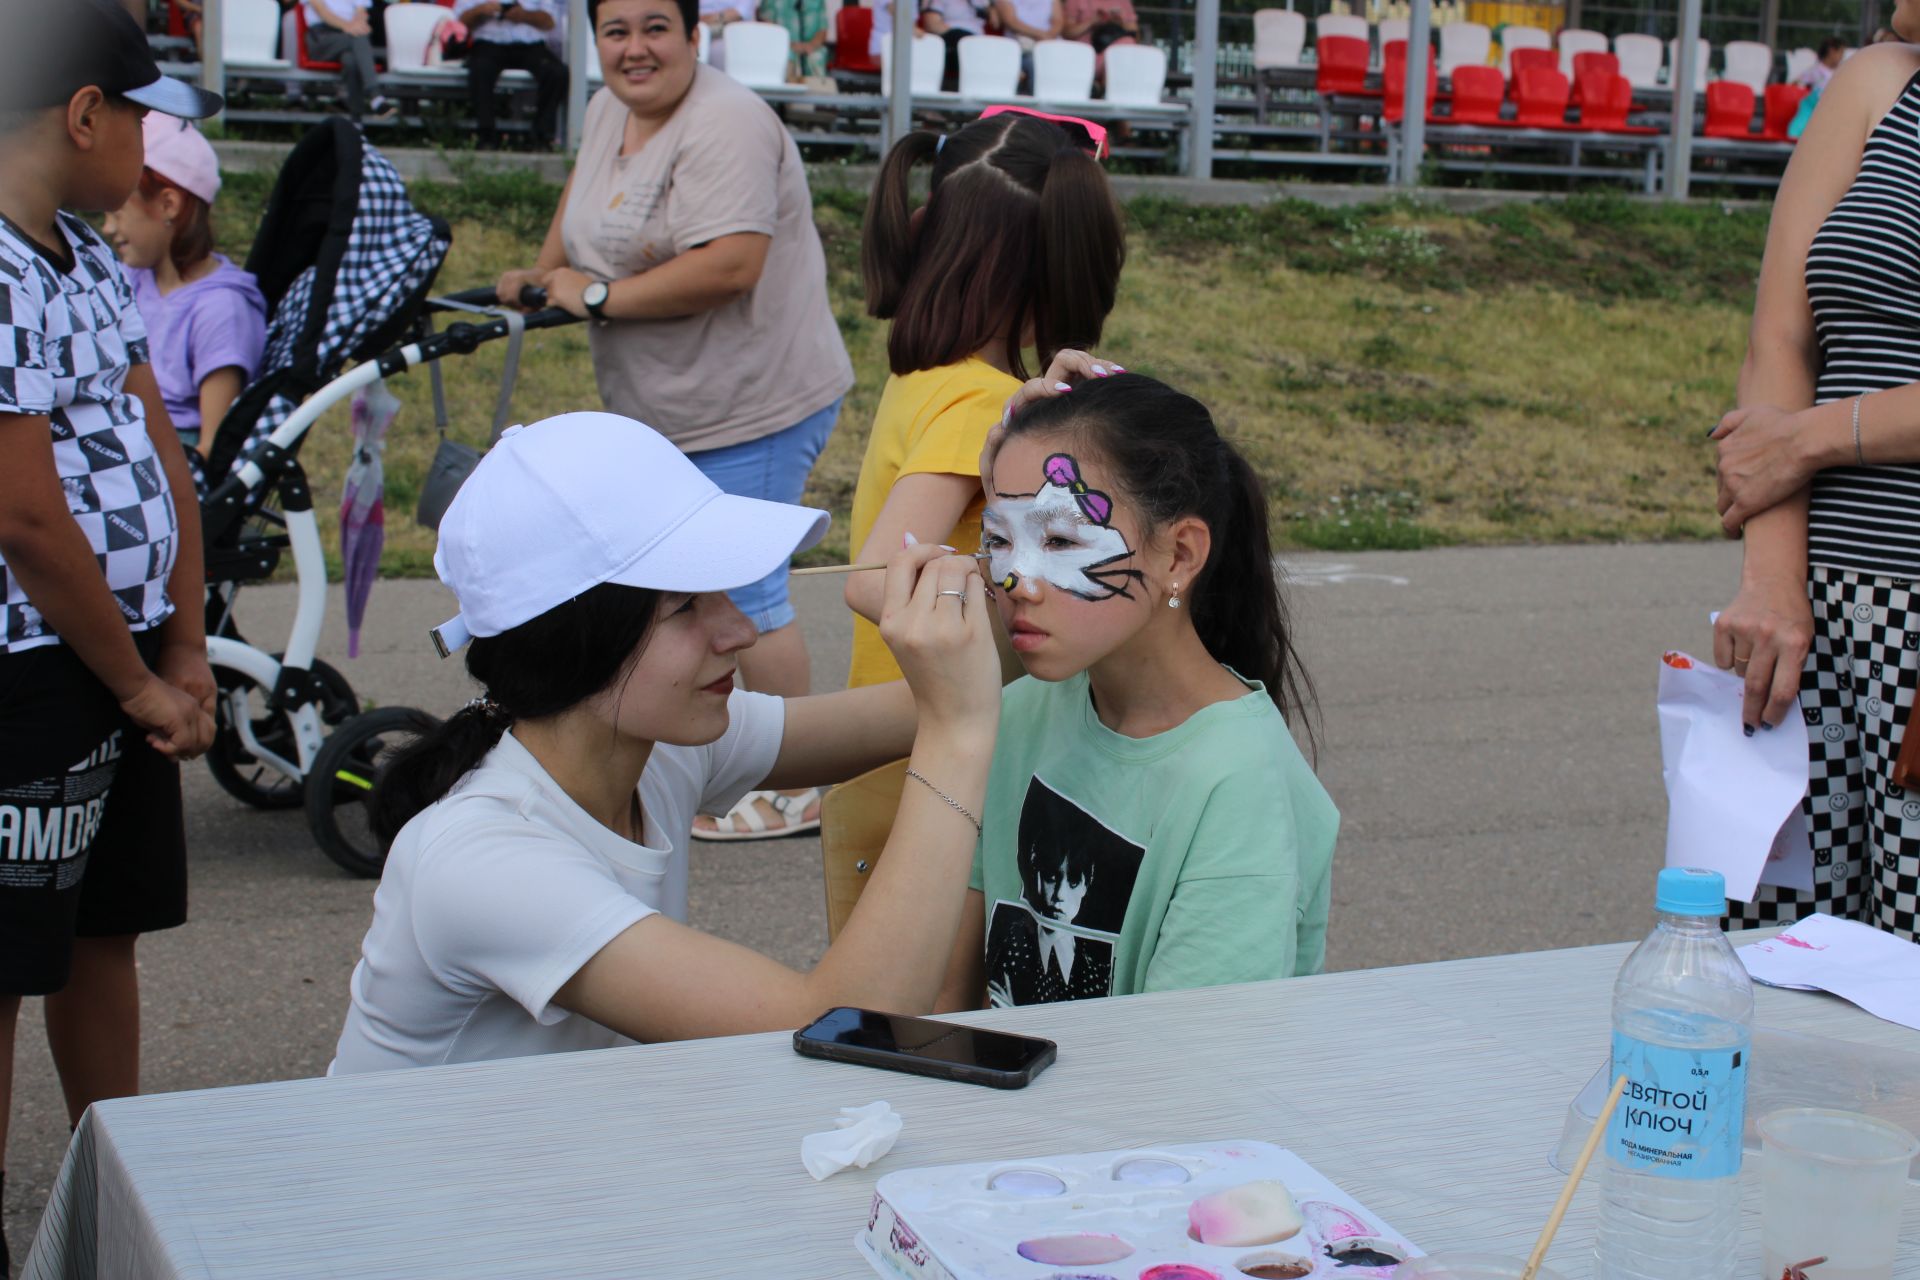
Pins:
x,y
532,297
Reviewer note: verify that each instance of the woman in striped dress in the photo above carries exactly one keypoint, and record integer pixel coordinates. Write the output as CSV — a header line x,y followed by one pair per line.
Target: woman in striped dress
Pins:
x,y
1820,469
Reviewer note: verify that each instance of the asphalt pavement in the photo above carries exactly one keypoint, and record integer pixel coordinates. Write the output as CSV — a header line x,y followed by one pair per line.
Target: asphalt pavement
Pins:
x,y
1487,729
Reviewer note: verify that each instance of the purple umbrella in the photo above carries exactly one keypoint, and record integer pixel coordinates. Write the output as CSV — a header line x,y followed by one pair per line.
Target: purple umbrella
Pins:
x,y
363,512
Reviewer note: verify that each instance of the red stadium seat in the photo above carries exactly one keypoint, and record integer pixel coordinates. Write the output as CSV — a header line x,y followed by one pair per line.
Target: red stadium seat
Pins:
x,y
1394,79
307,63
1477,94
1588,64
1783,104
1541,93
1606,104
1729,110
1529,59
1341,64
854,35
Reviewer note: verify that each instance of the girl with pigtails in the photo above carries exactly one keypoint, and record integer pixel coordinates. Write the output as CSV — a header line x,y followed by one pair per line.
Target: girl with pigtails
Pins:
x,y
1150,823
1018,246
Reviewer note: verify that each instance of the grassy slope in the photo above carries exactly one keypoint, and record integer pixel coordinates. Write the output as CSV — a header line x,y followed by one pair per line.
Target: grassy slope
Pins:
x,y
1403,376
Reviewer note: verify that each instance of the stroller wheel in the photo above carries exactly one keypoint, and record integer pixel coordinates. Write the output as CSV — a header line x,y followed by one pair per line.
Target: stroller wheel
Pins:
x,y
342,781
240,773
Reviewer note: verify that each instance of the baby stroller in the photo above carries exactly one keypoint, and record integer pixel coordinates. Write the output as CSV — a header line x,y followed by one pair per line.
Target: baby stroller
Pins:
x,y
345,262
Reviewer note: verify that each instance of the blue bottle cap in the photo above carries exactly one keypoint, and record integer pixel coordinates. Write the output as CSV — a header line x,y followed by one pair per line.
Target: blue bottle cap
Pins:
x,y
1691,891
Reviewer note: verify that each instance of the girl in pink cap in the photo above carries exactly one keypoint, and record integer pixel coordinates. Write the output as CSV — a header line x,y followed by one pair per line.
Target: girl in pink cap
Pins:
x,y
206,319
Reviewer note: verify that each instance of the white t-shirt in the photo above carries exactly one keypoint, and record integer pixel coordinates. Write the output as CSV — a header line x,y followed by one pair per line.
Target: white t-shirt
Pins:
x,y
497,894
500,31
341,9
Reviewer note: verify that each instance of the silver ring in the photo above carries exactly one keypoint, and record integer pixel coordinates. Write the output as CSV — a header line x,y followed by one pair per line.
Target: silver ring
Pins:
x,y
961,594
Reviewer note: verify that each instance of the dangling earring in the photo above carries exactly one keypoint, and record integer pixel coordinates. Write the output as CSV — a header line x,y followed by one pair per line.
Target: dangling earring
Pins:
x,y
1173,601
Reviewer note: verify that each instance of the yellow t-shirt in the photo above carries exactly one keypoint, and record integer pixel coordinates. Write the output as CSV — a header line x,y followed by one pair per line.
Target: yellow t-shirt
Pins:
x,y
934,421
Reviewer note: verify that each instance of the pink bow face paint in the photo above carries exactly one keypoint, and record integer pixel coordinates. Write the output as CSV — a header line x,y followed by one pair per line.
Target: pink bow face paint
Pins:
x,y
1061,534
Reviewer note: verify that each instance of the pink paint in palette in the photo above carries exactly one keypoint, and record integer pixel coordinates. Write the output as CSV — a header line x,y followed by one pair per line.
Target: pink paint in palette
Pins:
x,y
1128,1215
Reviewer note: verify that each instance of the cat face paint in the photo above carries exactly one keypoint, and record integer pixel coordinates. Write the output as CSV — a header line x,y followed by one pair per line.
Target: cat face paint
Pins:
x,y
1061,535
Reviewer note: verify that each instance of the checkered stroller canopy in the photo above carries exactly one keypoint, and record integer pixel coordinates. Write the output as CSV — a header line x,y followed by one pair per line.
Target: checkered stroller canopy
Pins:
x,y
345,262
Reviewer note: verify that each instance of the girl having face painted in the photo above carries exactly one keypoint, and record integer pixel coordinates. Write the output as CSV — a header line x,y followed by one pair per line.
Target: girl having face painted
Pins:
x,y
1150,822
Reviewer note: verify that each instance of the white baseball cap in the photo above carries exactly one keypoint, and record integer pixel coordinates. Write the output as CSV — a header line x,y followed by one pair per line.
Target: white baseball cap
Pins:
x,y
570,502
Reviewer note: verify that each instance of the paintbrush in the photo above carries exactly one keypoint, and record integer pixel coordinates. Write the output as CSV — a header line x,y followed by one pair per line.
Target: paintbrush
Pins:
x,y
860,568
1573,1180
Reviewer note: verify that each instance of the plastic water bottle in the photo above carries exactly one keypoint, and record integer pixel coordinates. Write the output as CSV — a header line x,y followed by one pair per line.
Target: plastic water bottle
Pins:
x,y
1682,1033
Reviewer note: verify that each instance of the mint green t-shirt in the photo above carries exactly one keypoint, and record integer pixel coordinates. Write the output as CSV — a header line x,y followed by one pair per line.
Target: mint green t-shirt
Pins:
x,y
1114,865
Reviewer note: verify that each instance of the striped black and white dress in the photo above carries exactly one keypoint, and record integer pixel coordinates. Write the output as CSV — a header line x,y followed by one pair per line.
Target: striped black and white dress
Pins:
x,y
1863,552
1863,280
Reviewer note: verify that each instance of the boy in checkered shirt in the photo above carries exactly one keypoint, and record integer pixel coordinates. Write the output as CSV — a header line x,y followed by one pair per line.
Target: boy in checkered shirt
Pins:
x,y
104,683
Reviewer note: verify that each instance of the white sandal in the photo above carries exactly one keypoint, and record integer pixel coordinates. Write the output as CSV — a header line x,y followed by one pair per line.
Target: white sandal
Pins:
x,y
743,821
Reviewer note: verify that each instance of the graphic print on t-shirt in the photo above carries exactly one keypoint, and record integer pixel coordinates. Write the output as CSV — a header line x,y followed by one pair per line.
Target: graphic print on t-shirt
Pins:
x,y
1076,878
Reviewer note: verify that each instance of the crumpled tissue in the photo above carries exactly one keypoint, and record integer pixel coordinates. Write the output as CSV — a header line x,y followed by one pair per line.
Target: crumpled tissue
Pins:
x,y
863,1136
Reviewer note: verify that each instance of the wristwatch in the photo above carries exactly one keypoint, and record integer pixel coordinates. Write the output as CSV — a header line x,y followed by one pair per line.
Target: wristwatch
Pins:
x,y
594,298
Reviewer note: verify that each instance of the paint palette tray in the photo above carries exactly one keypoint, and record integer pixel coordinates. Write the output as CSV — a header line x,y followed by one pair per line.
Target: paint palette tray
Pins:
x,y
1115,1215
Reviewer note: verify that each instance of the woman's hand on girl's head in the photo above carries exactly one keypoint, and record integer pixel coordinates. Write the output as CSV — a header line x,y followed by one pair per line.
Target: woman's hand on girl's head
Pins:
x,y
936,622
1068,368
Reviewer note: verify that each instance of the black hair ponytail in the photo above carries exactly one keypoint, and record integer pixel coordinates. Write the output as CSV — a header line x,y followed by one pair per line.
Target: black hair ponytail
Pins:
x,y
540,668
1020,227
886,239
1081,252
1171,461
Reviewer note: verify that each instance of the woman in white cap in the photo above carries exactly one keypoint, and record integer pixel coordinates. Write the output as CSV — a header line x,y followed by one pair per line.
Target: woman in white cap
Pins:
x,y
535,890
206,318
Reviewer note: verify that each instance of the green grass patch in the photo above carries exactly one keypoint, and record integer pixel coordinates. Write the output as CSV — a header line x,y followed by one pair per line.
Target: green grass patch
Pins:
x,y
1403,376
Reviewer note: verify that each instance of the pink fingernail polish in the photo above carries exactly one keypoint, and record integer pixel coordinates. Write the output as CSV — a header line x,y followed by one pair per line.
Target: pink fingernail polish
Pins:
x,y
908,540
950,550
1061,386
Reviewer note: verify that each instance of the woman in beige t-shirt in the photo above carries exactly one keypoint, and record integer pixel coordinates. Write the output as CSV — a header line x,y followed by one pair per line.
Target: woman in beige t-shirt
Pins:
x,y
686,235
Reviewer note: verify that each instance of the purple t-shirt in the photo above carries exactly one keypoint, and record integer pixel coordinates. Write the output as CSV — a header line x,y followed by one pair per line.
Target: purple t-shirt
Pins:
x,y
216,322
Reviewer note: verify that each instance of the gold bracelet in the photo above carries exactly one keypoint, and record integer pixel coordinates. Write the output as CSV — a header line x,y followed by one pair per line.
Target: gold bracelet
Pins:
x,y
959,808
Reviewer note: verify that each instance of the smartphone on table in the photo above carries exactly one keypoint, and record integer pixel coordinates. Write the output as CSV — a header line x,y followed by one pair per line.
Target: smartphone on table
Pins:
x,y
925,1047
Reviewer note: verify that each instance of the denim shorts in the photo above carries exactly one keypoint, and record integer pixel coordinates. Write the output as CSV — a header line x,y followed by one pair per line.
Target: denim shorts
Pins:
x,y
775,468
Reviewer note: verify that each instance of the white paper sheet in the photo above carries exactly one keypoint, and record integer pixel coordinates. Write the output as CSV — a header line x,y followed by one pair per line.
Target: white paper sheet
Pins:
x,y
1857,962
1733,802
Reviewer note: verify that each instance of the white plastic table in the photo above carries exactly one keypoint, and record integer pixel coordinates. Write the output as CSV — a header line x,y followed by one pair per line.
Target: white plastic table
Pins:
x,y
1434,1093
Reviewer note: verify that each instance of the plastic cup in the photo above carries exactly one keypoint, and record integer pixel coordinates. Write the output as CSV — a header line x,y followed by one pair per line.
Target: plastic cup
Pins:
x,y
1469,1266
1833,1184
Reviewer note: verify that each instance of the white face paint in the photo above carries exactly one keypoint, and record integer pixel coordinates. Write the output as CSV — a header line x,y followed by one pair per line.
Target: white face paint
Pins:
x,y
1059,536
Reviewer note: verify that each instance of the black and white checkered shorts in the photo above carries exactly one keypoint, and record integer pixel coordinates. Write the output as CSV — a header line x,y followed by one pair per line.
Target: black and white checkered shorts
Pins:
x,y
1855,693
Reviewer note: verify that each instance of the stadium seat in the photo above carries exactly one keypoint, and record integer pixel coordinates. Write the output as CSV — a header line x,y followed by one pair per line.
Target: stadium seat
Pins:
x,y
1136,75
249,30
1782,105
1592,64
1464,44
1279,36
307,63
1701,70
1541,96
1749,62
1391,29
1341,24
1605,106
1394,80
989,67
1477,95
1729,110
1529,59
1063,71
1574,42
1799,60
411,31
1516,37
850,51
1641,58
929,66
1342,65
757,53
